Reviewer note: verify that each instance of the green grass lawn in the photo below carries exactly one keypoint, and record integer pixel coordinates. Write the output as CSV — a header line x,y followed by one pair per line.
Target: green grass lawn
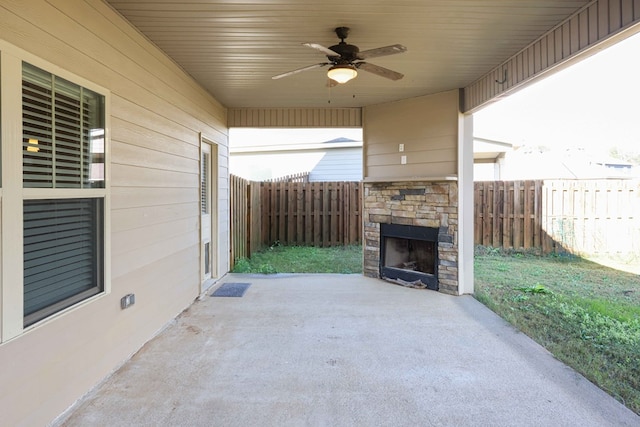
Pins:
x,y
586,314
303,259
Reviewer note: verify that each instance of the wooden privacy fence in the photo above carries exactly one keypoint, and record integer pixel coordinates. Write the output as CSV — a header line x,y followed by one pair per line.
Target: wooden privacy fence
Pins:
x,y
579,216
593,217
508,214
293,213
311,213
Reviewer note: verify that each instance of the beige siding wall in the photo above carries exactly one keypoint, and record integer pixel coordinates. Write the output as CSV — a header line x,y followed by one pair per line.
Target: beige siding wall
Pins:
x,y
428,128
158,115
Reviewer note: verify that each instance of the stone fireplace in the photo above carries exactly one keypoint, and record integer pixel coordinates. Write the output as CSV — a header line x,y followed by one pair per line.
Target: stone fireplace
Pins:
x,y
410,232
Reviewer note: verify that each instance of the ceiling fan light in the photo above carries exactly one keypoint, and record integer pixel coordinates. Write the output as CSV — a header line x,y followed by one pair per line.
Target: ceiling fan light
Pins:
x,y
342,73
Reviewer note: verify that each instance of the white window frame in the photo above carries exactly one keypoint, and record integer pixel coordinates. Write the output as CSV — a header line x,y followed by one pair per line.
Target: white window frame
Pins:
x,y
12,193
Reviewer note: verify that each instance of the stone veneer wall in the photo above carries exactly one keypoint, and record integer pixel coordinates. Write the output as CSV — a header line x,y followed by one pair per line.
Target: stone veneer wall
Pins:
x,y
427,204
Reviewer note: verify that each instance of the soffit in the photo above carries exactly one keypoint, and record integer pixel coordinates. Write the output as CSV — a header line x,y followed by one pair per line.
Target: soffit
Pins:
x,y
233,47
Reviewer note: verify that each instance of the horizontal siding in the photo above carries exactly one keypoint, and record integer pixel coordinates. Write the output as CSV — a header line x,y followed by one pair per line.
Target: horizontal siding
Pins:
x,y
124,130
132,197
428,128
133,155
130,255
147,216
424,157
435,143
594,24
339,165
295,117
411,171
158,114
141,177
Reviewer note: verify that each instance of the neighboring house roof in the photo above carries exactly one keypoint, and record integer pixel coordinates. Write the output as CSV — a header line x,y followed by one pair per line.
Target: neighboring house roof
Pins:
x,y
489,150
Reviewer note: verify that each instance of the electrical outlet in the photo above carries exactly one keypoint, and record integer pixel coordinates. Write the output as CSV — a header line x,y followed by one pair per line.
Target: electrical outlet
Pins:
x,y
403,160
401,147
127,300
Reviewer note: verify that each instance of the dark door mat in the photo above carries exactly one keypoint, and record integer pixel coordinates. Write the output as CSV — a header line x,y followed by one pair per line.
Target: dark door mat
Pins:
x,y
231,290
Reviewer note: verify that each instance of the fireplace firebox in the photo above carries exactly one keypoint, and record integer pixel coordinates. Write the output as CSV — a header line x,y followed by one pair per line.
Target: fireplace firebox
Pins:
x,y
409,254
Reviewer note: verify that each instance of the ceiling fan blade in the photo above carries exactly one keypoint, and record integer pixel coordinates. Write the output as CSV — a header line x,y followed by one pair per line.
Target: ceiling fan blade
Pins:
x,y
299,70
321,48
382,51
379,71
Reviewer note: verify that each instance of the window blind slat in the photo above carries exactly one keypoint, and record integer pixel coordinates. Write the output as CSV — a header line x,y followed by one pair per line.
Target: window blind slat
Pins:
x,y
48,251
46,278
66,291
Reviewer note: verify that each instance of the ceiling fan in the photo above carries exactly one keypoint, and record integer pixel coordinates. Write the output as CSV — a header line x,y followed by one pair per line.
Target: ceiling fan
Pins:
x,y
346,59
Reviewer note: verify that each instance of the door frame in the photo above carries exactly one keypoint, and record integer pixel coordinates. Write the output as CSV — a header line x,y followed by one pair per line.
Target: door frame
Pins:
x,y
208,220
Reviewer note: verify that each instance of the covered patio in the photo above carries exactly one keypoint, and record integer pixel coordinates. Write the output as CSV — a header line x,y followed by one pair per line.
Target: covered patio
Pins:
x,y
343,350
115,134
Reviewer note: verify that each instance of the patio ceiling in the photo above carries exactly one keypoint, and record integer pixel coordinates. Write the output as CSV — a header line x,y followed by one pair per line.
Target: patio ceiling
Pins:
x,y
233,48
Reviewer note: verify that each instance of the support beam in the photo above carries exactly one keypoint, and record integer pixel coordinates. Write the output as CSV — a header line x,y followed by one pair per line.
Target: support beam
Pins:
x,y
295,117
465,204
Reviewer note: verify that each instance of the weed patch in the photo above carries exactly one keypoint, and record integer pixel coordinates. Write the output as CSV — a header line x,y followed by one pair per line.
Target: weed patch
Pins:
x,y
535,289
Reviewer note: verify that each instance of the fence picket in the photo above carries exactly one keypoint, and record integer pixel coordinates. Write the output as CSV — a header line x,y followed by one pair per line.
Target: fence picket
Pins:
x,y
299,214
334,215
308,216
517,215
486,216
291,205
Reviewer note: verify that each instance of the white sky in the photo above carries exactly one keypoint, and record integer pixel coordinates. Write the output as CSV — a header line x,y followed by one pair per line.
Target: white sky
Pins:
x,y
594,104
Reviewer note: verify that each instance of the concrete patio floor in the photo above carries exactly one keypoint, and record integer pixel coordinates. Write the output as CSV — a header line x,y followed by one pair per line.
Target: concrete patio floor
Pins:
x,y
344,350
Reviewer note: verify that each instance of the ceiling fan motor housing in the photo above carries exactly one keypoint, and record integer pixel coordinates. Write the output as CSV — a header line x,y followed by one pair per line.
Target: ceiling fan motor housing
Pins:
x,y
348,53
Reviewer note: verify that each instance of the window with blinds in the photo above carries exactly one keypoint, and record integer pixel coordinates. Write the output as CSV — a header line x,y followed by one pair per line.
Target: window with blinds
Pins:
x,y
63,132
63,148
62,254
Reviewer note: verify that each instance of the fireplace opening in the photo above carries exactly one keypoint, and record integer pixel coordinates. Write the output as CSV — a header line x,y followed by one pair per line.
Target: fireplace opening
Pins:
x,y
409,254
